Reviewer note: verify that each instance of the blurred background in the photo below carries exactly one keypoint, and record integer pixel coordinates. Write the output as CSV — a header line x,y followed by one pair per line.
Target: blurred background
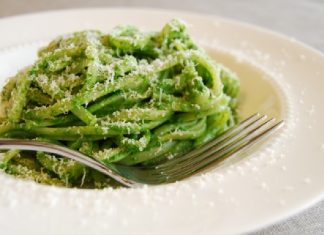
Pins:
x,y
300,19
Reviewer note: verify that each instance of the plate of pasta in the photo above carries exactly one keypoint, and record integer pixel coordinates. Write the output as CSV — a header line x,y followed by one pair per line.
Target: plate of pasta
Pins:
x,y
139,87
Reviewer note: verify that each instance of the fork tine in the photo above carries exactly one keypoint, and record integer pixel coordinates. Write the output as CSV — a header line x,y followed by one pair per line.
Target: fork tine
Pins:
x,y
220,148
252,120
234,149
226,139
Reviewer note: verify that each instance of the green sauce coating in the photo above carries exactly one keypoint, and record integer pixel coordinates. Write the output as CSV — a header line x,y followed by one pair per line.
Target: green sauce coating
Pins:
x,y
128,97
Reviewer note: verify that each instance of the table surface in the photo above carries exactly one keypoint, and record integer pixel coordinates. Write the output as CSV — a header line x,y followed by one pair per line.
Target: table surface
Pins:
x,y
301,19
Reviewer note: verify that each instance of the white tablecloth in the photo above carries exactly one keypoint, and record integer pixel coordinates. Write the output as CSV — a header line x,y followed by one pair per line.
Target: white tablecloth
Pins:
x,y
301,19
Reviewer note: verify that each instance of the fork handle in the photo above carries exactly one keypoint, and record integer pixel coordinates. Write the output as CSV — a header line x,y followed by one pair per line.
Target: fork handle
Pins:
x,y
32,145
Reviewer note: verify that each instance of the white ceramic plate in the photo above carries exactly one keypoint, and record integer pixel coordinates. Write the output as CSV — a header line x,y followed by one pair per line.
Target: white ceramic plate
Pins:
x,y
280,77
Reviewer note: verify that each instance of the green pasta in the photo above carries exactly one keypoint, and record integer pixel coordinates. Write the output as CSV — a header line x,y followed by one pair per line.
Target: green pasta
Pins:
x,y
126,97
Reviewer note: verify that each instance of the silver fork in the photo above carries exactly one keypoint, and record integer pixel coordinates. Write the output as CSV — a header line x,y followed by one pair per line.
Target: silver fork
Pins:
x,y
233,142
